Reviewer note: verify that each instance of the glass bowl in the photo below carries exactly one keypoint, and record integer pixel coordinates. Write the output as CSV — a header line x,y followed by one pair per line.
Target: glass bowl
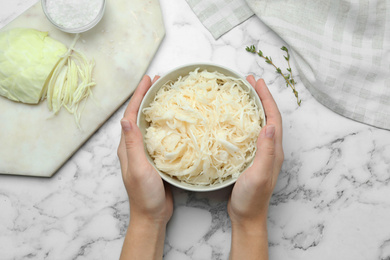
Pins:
x,y
78,20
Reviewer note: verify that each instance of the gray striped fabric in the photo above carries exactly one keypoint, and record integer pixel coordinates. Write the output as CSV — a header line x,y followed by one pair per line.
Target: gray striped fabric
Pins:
x,y
341,47
220,16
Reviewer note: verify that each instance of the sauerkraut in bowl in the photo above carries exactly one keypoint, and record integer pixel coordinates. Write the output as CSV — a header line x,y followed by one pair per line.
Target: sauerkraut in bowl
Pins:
x,y
200,124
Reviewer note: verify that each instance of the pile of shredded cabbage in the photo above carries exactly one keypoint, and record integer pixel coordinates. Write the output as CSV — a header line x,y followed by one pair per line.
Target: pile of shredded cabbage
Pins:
x,y
203,128
70,82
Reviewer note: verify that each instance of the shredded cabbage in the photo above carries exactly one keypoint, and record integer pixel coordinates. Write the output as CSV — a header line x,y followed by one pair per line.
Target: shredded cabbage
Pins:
x,y
70,82
203,128
34,66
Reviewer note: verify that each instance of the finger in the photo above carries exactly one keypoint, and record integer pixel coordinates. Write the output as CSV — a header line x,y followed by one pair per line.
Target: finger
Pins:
x,y
135,101
251,80
155,79
133,143
266,153
270,108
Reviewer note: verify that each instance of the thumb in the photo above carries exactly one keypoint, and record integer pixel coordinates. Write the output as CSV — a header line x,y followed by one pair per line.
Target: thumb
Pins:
x,y
265,156
133,142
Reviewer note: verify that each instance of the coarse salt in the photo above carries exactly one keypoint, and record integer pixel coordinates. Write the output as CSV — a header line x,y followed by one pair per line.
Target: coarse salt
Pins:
x,y
73,14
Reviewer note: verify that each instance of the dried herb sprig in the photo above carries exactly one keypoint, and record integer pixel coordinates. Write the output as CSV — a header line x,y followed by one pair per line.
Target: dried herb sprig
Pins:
x,y
288,77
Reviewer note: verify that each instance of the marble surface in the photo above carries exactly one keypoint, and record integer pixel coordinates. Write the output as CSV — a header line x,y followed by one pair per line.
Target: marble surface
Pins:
x,y
332,199
122,50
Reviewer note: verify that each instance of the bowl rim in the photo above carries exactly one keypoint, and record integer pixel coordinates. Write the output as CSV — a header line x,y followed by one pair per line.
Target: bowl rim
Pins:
x,y
157,85
80,29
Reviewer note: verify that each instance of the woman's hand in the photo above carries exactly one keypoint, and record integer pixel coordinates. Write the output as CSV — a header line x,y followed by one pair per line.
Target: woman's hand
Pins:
x,y
151,204
248,204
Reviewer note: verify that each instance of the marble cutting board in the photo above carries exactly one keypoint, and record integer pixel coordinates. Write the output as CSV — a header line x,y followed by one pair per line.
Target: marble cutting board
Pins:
x,y
33,142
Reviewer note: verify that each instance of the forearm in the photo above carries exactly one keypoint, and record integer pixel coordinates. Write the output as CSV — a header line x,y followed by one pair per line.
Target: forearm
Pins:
x,y
144,240
249,241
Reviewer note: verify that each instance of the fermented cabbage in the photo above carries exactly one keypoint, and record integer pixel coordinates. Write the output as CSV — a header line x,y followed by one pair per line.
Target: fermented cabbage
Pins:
x,y
203,128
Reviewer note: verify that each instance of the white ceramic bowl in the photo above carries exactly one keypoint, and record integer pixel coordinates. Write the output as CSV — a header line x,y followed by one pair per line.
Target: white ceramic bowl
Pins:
x,y
173,75
82,28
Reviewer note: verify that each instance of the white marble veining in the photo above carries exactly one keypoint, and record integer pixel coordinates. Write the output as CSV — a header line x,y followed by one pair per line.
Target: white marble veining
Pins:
x,y
332,199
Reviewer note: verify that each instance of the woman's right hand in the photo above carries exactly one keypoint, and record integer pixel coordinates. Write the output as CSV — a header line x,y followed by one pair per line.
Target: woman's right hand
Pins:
x,y
248,204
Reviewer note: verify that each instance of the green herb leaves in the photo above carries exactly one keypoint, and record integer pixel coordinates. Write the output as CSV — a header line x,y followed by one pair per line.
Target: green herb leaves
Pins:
x,y
288,77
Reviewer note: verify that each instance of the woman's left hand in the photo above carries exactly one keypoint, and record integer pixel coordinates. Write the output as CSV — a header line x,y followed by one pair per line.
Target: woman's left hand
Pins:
x,y
151,204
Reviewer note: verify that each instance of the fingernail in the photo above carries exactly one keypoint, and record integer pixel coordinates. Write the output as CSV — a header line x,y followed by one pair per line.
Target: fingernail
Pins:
x,y
126,126
270,131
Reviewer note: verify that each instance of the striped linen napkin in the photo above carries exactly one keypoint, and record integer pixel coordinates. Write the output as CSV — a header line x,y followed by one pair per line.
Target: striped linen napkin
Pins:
x,y
341,50
220,16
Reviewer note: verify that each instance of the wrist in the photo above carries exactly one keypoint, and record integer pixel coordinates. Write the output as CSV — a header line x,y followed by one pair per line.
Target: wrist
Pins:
x,y
144,239
147,219
249,240
147,223
252,221
250,227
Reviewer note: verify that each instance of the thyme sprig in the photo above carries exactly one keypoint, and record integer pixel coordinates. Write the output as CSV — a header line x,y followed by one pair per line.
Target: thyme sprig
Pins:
x,y
288,77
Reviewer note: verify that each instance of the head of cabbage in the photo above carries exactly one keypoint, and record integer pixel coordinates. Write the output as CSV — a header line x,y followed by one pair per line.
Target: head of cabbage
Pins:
x,y
27,58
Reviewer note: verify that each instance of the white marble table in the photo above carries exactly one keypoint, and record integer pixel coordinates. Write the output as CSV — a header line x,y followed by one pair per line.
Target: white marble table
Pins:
x,y
332,200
